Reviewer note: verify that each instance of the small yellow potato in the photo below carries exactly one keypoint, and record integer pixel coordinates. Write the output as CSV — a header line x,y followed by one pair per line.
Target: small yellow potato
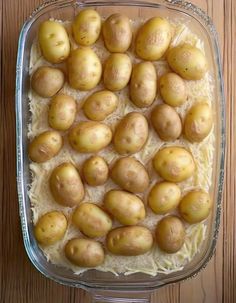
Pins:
x,y
95,171
91,220
174,164
170,234
127,208
143,84
198,122
84,252
129,241
117,33
89,136
50,228
47,81
131,133
86,27
164,197
173,89
84,69
153,39
54,41
66,186
62,111
117,71
100,105
195,206
45,146
130,174
187,61
167,122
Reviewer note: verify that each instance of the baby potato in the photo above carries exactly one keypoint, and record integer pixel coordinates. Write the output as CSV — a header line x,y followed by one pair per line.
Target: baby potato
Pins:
x,y
100,105
167,122
86,27
89,136
54,41
84,69
170,234
131,133
130,175
164,197
117,71
143,84
173,89
117,33
153,39
47,81
127,208
174,164
62,111
45,146
91,220
95,171
84,252
187,61
198,122
129,241
50,228
66,186
195,206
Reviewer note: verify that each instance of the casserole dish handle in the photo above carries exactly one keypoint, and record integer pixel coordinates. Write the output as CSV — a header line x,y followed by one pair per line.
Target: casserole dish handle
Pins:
x,y
120,297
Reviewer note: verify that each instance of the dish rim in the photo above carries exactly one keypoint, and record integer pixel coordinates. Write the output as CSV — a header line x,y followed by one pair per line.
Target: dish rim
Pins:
x,y
180,5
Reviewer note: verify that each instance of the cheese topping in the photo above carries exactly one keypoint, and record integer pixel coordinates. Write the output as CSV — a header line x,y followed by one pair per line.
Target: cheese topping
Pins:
x,y
155,261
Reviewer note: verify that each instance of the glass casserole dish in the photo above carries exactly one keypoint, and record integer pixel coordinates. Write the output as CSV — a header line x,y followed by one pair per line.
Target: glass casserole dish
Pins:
x,y
92,280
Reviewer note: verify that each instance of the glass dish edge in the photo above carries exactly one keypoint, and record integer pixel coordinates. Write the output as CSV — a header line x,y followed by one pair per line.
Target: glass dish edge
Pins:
x,y
19,152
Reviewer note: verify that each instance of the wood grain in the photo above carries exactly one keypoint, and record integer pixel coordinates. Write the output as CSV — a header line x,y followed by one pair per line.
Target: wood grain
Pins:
x,y
20,281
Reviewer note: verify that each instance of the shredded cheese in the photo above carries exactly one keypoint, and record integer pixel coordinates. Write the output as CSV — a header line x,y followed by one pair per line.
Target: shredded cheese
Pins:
x,y
155,261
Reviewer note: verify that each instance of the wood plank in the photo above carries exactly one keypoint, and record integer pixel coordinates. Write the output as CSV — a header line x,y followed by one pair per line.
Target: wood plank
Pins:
x,y
20,281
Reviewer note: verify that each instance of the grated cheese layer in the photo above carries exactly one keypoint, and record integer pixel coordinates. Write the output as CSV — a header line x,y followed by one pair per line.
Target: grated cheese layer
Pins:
x,y
155,261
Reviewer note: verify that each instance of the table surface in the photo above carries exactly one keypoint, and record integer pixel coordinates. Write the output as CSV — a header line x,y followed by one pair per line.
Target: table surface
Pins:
x,y
20,281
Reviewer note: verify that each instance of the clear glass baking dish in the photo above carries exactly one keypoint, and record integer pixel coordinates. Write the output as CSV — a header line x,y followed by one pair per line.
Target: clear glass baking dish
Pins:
x,y
106,286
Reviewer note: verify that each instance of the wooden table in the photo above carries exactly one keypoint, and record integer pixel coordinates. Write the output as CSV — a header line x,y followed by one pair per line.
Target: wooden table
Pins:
x,y
20,281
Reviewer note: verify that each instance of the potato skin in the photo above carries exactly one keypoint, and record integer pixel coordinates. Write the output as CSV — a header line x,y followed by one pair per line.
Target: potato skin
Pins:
x,y
66,186
95,171
117,33
198,122
84,252
89,136
127,208
153,39
170,234
174,164
50,228
47,81
129,241
173,89
143,84
117,71
54,41
131,134
62,111
45,146
164,197
130,175
195,206
187,61
166,122
84,69
100,105
86,27
91,220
